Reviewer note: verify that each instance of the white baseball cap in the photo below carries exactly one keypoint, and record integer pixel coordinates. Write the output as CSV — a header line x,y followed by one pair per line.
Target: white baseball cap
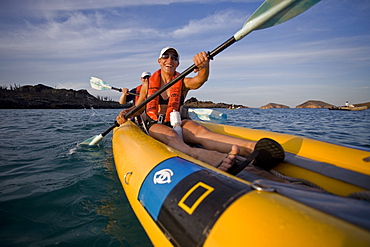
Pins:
x,y
166,49
146,73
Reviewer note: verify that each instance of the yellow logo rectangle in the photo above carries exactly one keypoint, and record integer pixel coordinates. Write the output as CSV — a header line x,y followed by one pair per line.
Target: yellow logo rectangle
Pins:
x,y
190,210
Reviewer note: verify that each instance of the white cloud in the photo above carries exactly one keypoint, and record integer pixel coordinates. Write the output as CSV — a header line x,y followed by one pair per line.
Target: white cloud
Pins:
x,y
49,9
217,22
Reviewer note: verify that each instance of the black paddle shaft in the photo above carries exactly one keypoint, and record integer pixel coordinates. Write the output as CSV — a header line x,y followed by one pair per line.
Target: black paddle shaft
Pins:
x,y
118,89
181,76
110,129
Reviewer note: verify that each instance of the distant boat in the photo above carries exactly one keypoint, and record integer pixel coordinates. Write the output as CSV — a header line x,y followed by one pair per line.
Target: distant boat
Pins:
x,y
233,107
348,108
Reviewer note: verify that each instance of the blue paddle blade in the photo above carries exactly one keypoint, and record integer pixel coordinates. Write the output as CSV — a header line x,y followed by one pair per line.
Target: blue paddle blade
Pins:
x,y
273,12
294,9
88,141
99,84
96,139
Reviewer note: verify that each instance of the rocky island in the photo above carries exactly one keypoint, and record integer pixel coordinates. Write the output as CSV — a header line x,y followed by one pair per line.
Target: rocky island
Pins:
x,y
45,97
307,104
273,105
314,104
194,103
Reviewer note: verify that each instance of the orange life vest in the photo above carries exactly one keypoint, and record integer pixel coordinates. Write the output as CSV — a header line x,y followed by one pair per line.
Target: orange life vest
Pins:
x,y
138,88
174,99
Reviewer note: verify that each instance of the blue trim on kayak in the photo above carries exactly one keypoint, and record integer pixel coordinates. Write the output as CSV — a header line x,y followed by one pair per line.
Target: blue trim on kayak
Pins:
x,y
160,182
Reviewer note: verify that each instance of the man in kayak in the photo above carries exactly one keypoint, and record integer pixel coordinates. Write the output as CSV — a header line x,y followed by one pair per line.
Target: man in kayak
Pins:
x,y
219,150
128,96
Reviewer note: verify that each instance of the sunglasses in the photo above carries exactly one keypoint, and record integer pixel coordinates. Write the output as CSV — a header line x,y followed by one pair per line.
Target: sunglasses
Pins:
x,y
145,77
173,57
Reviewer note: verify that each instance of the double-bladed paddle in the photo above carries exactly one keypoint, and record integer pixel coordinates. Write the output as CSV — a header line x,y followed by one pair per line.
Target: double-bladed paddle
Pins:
x,y
270,13
99,84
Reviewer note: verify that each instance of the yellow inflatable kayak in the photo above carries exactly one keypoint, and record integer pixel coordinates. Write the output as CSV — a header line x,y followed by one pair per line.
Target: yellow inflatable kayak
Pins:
x,y
181,201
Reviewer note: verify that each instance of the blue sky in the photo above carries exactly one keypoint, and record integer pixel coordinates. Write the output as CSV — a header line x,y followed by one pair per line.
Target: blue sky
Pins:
x,y
322,54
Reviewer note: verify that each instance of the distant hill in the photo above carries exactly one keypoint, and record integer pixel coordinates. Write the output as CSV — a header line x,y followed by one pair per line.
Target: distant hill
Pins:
x,y
363,104
273,105
44,97
314,104
321,104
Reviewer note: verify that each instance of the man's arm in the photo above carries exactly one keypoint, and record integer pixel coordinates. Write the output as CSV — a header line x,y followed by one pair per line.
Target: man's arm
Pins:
x,y
202,62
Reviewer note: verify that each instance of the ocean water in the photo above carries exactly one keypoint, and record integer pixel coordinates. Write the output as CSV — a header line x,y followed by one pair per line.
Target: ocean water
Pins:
x,y
54,192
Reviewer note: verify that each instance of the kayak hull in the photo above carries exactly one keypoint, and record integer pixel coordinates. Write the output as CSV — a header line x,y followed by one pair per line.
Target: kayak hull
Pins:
x,y
181,201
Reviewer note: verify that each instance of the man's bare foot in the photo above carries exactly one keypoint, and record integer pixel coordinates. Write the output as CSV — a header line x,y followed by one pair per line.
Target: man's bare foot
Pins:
x,y
229,160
